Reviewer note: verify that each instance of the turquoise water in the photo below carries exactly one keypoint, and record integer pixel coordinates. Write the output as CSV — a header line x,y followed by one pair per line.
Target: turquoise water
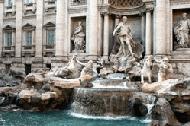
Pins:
x,y
61,118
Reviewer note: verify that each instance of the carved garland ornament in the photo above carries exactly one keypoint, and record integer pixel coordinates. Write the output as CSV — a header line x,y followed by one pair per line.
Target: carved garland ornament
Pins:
x,y
125,3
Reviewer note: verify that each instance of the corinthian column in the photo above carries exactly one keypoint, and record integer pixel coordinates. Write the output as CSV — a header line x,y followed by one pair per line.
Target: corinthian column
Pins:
x,y
160,27
148,38
92,36
106,37
143,28
39,29
18,43
148,32
61,43
1,26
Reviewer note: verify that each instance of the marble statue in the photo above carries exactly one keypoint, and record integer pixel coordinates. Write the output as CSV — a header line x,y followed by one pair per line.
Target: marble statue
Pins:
x,y
147,69
165,69
123,31
88,68
181,32
129,52
71,70
74,69
79,38
100,65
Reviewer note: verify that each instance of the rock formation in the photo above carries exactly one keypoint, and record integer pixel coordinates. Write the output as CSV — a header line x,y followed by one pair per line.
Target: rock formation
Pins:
x,y
162,114
54,89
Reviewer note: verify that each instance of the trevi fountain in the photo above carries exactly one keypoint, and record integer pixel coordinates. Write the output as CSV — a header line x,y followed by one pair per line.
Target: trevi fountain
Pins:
x,y
142,78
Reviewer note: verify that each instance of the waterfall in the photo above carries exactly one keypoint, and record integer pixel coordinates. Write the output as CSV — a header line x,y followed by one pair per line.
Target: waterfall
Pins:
x,y
151,102
102,101
2,122
2,99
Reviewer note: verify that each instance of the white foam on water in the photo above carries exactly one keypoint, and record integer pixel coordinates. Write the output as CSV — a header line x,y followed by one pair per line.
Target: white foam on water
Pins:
x,y
82,116
98,84
116,76
2,121
147,121
109,86
150,106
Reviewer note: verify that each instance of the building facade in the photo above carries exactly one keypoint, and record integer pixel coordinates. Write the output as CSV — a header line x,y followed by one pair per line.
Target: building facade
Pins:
x,y
44,33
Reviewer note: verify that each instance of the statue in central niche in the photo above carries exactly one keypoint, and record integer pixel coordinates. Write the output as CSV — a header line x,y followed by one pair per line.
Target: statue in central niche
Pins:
x,y
129,52
124,34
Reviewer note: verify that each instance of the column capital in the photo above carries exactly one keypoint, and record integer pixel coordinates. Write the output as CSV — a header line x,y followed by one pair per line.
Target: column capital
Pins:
x,y
104,13
142,14
118,16
149,4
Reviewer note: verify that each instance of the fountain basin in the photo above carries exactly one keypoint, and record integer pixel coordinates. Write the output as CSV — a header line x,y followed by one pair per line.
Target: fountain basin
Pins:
x,y
116,83
111,102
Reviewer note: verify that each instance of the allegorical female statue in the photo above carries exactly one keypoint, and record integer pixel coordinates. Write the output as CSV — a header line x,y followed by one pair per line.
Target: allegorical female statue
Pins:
x,y
181,31
79,37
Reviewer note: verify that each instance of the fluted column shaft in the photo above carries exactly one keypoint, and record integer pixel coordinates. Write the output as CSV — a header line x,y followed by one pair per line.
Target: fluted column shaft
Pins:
x,y
19,40
39,29
148,36
60,29
106,36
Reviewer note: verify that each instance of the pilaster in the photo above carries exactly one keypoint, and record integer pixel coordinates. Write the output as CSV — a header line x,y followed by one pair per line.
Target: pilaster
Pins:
x,y
106,37
61,29
148,27
18,43
92,36
39,28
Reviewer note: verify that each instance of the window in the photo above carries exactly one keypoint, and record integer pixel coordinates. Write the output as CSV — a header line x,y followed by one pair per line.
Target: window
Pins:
x,y
28,2
51,1
50,37
78,2
28,38
8,3
8,39
28,68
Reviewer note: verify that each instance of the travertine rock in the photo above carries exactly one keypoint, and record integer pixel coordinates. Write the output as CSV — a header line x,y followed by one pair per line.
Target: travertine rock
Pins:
x,y
64,83
27,94
34,78
163,87
49,95
163,115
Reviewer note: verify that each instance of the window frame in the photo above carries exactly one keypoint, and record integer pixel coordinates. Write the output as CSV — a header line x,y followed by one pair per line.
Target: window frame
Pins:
x,y
28,2
28,38
48,30
9,4
8,39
